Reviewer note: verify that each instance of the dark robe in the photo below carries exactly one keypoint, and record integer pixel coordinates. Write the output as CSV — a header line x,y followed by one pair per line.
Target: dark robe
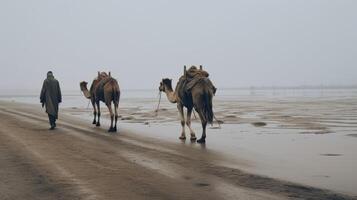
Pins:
x,y
51,96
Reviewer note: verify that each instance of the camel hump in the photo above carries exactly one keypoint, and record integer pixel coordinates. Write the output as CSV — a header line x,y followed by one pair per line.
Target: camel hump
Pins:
x,y
192,77
99,89
105,81
195,72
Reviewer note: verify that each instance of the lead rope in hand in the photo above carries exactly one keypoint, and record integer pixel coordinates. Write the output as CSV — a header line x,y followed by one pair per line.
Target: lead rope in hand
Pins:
x,y
158,105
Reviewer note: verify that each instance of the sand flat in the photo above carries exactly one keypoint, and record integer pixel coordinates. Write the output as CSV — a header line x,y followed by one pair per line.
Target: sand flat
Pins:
x,y
82,162
300,129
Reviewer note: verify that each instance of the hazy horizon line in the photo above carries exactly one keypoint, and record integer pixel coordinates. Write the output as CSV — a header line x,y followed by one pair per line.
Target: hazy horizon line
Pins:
x,y
224,88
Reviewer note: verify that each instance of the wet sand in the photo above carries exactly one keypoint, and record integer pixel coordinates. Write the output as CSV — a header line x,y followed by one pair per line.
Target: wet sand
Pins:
x,y
78,161
285,137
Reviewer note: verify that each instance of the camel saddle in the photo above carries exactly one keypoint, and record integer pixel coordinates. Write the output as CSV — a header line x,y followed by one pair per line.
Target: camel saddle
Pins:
x,y
191,78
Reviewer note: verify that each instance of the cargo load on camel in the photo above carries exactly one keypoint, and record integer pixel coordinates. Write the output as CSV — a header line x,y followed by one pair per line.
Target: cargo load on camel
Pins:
x,y
191,77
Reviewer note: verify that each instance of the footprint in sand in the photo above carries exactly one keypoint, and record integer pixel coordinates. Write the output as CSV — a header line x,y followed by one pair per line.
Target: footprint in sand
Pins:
x,y
187,177
230,116
127,118
259,124
331,154
202,184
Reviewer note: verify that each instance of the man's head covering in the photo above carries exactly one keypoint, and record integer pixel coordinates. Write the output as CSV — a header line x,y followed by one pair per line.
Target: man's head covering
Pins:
x,y
50,74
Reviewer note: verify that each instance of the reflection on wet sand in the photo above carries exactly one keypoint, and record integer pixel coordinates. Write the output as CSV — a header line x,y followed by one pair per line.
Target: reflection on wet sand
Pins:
x,y
304,139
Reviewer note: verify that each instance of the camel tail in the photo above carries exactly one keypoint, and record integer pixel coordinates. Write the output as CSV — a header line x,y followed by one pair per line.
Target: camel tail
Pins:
x,y
207,107
116,96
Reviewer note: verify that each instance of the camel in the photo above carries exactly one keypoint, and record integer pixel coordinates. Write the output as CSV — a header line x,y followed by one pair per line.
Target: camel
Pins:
x,y
198,96
106,89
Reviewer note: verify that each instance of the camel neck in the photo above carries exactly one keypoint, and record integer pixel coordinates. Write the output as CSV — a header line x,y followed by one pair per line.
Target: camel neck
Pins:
x,y
171,96
86,93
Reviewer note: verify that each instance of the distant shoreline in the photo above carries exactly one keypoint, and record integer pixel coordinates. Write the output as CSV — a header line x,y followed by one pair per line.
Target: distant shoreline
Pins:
x,y
31,92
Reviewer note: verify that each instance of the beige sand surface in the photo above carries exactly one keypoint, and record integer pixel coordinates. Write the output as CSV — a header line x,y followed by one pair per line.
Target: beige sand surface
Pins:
x,y
303,139
78,161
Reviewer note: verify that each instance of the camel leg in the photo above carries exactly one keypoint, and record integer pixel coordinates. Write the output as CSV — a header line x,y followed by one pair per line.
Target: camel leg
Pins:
x,y
188,123
183,135
94,113
111,129
98,114
204,124
116,116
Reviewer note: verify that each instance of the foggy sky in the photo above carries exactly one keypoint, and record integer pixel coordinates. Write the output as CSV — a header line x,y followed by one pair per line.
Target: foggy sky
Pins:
x,y
241,43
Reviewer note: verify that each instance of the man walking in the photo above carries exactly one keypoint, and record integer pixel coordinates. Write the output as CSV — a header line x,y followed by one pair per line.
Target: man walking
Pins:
x,y
51,96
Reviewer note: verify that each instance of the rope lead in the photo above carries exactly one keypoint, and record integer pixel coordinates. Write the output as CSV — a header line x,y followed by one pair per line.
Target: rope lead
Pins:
x,y
158,105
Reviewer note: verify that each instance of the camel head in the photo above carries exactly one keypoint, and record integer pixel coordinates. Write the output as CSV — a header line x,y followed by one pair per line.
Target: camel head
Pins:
x,y
83,85
165,84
